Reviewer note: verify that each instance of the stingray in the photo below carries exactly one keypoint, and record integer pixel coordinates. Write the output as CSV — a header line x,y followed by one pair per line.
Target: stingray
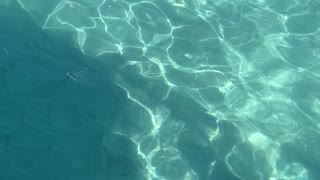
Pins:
x,y
86,78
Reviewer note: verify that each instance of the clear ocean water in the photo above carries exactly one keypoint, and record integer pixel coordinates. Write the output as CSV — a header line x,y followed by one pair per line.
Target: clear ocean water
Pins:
x,y
159,90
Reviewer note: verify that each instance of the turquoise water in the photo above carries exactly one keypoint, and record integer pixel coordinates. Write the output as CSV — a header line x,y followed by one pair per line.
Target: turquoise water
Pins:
x,y
159,89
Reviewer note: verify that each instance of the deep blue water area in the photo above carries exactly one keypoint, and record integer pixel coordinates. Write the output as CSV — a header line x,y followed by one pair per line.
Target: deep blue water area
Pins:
x,y
52,126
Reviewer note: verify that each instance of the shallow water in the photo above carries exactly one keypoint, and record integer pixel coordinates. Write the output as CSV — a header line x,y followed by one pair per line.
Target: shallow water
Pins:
x,y
159,89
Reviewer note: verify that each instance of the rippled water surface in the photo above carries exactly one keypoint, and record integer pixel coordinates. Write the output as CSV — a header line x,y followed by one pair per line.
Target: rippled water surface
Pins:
x,y
159,90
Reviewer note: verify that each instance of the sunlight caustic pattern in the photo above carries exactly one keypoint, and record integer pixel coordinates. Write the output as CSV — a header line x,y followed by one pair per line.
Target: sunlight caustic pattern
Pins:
x,y
209,69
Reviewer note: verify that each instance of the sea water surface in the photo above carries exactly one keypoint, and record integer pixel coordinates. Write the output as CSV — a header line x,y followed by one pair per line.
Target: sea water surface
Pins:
x,y
159,90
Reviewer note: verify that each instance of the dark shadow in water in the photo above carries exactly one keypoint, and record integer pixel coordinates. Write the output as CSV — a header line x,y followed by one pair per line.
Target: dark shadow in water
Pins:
x,y
57,107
